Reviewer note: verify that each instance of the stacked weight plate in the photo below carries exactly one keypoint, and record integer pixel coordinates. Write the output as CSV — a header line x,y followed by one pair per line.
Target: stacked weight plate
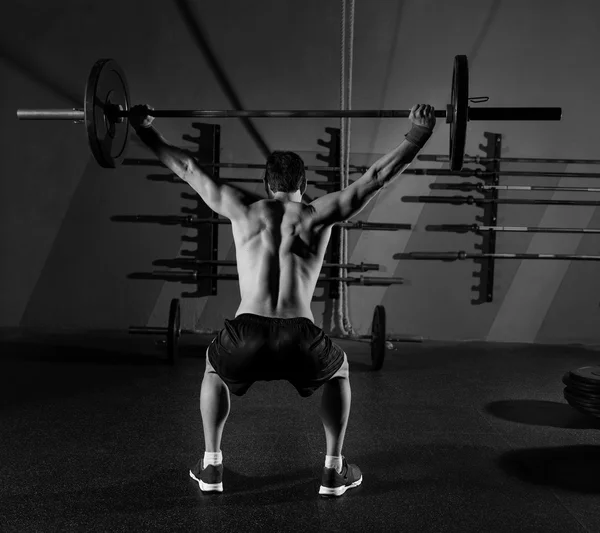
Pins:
x,y
582,389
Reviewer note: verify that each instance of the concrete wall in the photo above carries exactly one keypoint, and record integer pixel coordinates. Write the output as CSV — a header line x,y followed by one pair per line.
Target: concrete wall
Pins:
x,y
65,262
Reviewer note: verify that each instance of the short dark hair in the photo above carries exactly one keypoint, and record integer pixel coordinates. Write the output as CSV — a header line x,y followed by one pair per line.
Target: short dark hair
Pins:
x,y
285,172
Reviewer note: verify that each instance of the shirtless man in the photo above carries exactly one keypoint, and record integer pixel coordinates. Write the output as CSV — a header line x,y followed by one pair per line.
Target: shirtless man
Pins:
x,y
280,244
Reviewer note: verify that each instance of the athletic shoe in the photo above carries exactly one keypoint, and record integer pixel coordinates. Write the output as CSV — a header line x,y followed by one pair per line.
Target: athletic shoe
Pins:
x,y
334,484
210,478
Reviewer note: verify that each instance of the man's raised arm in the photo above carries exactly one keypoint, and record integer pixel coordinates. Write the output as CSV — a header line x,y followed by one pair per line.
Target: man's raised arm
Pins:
x,y
342,205
228,201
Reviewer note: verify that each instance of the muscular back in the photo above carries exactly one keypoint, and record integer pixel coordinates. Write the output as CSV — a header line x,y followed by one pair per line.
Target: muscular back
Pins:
x,y
280,250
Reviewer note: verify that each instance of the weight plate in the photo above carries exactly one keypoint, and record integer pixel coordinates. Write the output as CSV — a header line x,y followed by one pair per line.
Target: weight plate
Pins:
x,y
174,331
580,387
106,89
583,399
588,375
378,337
583,407
584,395
460,115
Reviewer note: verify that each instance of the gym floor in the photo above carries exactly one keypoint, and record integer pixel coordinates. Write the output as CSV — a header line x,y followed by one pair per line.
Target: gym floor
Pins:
x,y
98,434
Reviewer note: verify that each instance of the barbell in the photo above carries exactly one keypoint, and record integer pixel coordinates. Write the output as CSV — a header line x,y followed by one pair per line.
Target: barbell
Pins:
x,y
462,256
194,276
377,339
471,200
478,228
193,220
107,108
172,332
191,263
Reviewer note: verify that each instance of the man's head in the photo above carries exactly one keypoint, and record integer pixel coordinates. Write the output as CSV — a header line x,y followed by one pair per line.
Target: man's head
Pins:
x,y
285,173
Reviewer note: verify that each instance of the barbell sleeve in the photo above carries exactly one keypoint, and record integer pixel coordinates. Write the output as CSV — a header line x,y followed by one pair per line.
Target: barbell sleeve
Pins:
x,y
515,113
50,114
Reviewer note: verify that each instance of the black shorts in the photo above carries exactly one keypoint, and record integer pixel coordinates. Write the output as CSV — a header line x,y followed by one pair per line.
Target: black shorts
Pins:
x,y
256,348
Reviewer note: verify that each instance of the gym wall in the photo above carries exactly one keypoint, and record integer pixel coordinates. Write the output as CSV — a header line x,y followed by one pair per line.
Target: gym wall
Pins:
x,y
65,262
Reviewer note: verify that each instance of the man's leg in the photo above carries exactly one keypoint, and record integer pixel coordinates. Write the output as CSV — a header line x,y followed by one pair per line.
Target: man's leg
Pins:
x,y
214,407
335,409
338,476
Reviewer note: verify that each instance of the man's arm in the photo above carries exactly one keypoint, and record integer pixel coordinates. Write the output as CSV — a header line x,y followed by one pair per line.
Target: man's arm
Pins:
x,y
222,198
344,204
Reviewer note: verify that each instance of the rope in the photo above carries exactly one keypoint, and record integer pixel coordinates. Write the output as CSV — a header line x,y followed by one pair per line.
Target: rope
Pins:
x,y
346,311
342,308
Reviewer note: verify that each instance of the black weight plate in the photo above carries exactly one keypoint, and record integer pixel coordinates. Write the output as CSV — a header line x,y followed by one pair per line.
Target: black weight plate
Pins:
x,y
378,338
590,375
587,407
573,401
583,410
106,87
583,395
460,116
580,386
174,331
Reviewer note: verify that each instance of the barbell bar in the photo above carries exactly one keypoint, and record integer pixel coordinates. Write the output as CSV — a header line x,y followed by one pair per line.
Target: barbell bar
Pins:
x,y
378,338
475,228
189,263
356,169
471,200
490,113
195,276
466,187
476,173
107,109
467,173
479,160
194,220
462,255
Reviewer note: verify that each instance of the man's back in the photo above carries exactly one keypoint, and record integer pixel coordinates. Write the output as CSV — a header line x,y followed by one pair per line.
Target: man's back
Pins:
x,y
279,251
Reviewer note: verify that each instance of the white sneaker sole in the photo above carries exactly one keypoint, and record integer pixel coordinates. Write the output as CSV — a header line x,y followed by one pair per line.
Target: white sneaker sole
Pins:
x,y
338,491
207,487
